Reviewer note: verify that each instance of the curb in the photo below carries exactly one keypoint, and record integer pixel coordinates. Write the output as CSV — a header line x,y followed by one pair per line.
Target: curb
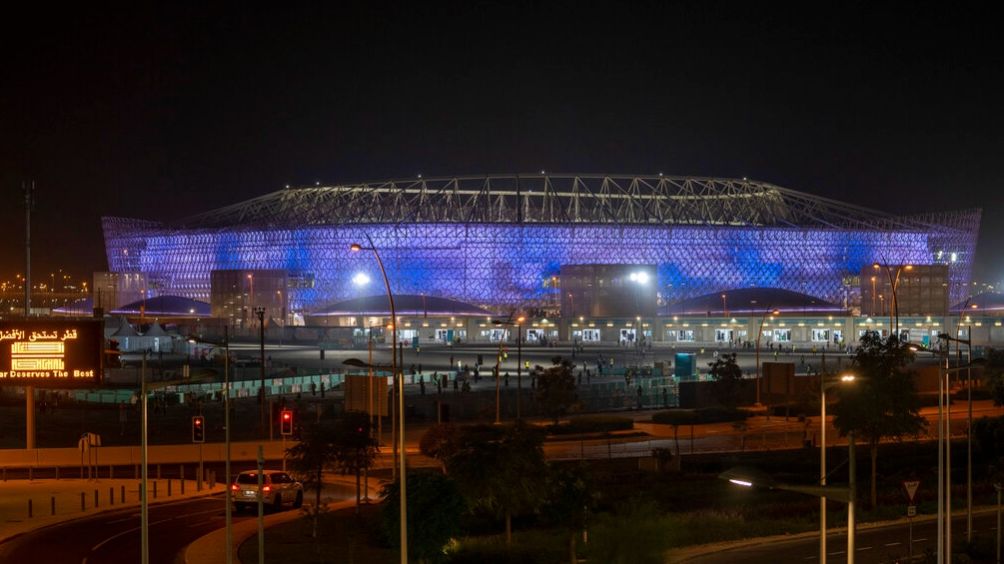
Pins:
x,y
687,554
90,515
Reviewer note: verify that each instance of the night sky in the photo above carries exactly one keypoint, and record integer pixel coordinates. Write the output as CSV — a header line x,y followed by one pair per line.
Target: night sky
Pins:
x,y
167,112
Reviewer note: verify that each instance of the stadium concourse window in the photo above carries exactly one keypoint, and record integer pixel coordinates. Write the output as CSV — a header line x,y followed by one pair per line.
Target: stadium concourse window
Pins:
x,y
782,335
495,335
723,335
820,335
586,335
627,336
685,335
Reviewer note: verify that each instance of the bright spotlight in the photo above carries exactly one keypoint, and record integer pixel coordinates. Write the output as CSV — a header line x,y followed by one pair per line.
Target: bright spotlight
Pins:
x,y
743,483
639,277
360,279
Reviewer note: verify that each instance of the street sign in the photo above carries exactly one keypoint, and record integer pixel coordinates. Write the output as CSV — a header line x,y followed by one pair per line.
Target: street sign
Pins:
x,y
911,488
52,353
911,510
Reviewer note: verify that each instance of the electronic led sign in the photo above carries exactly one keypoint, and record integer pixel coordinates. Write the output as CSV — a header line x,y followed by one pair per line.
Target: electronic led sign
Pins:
x,y
51,353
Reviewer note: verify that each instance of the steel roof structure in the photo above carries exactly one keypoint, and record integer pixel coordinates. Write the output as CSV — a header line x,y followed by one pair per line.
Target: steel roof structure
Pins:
x,y
559,199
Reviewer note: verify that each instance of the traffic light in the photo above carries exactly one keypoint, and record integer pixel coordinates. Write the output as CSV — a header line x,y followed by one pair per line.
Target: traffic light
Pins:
x,y
198,429
286,422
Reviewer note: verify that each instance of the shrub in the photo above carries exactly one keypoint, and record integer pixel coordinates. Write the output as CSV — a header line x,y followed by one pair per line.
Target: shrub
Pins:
x,y
592,424
698,416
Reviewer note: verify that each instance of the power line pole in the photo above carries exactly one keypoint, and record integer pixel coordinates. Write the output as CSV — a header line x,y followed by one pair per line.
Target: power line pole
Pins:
x,y
29,391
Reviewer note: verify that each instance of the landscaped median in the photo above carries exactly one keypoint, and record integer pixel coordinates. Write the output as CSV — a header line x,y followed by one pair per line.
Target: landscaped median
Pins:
x,y
285,529
31,504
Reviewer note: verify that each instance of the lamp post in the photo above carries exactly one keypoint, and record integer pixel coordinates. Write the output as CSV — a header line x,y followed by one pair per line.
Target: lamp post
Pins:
x,y
893,284
518,324
399,379
823,386
260,312
749,478
759,333
944,544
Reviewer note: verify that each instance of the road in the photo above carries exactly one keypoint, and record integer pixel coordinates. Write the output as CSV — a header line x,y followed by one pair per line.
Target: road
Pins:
x,y
879,545
114,537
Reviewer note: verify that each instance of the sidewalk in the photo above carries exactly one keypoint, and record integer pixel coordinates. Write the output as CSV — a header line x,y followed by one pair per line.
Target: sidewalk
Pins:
x,y
66,497
211,548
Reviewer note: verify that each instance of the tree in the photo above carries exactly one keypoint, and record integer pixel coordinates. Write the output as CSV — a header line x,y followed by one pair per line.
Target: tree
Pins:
x,y
327,446
556,388
500,473
882,402
439,442
354,446
675,417
728,380
569,499
993,373
435,505
311,458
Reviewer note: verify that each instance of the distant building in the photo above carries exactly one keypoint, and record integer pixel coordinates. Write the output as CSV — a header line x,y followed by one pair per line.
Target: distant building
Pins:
x,y
235,294
608,290
921,289
112,290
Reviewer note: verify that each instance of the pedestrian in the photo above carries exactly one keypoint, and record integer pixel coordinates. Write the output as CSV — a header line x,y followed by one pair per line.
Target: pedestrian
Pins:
x,y
506,379
421,384
639,397
455,385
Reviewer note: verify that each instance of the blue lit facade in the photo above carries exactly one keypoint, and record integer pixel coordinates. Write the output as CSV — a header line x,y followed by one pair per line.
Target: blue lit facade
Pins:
x,y
499,241
499,266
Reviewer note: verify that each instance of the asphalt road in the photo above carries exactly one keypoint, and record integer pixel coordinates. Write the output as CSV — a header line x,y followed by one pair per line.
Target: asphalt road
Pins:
x,y
881,545
114,537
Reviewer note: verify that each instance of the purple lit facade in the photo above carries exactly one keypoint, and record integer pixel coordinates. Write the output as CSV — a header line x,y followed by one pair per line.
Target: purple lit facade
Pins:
x,y
499,242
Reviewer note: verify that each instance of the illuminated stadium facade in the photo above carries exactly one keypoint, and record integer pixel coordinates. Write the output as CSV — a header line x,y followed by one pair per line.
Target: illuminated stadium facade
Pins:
x,y
500,241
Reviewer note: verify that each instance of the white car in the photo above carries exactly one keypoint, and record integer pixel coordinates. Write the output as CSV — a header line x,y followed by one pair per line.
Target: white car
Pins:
x,y
278,488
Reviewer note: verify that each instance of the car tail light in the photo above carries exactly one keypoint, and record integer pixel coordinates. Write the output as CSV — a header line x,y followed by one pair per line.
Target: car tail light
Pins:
x,y
266,489
234,487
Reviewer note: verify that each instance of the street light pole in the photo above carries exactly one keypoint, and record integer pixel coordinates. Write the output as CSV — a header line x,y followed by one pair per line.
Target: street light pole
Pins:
x,y
893,284
226,439
823,386
759,333
399,379
519,359
144,513
260,312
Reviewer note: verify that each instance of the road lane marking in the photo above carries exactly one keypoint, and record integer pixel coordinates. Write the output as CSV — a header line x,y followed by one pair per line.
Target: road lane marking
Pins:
x,y
892,544
834,553
919,540
864,548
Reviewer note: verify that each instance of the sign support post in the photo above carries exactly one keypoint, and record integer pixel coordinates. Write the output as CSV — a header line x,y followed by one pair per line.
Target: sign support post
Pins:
x,y
911,510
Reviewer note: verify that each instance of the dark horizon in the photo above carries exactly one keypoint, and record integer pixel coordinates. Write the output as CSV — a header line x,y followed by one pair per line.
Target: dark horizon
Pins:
x,y
168,112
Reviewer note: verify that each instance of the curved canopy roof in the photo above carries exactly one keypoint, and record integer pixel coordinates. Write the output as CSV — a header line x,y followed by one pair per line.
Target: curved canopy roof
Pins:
x,y
557,198
166,306
752,301
410,305
988,302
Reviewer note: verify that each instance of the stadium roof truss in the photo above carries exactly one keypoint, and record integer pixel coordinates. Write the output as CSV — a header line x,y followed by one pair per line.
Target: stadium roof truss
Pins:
x,y
564,199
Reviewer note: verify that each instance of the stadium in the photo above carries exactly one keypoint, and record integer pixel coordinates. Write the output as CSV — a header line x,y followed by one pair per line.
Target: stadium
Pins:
x,y
500,242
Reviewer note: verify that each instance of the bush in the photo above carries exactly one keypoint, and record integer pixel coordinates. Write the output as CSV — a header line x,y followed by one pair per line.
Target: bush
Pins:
x,y
698,416
592,424
543,547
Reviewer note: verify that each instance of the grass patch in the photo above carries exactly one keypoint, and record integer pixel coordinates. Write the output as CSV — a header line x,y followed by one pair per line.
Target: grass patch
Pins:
x,y
341,537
